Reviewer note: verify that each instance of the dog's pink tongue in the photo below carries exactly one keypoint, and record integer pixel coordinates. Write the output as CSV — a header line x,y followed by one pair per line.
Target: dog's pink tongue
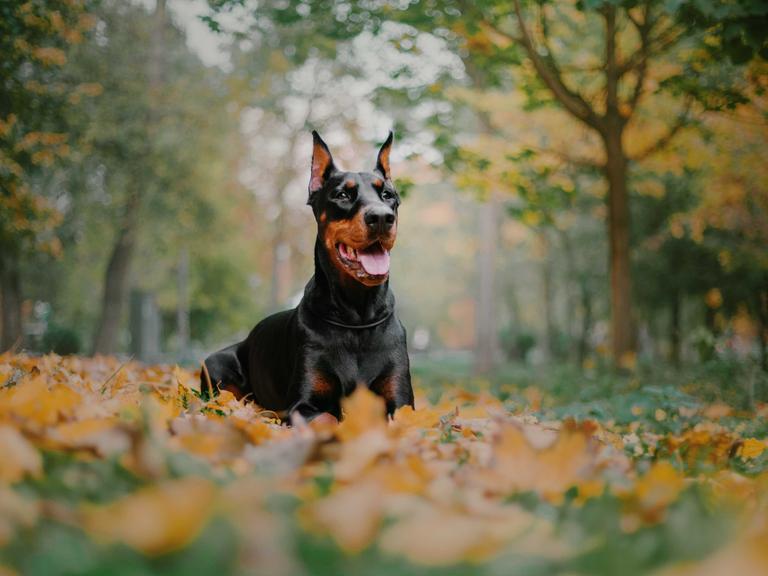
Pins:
x,y
375,260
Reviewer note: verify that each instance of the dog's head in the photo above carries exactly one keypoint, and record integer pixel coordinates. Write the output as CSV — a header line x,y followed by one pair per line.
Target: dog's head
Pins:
x,y
356,214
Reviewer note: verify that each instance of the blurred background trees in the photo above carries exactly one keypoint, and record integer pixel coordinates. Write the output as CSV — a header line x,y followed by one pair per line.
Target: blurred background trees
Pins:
x,y
34,96
585,180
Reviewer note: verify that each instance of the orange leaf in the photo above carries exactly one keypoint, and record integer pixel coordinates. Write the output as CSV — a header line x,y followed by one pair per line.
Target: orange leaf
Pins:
x,y
363,411
19,457
155,520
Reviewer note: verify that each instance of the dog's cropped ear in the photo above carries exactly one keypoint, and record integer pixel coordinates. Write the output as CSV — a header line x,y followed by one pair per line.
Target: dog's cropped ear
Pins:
x,y
382,161
322,164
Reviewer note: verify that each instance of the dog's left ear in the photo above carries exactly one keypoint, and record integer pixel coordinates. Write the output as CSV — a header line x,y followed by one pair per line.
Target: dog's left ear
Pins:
x,y
382,161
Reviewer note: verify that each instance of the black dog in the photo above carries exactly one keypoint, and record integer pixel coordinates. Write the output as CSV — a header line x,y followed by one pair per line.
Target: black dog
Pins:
x,y
344,332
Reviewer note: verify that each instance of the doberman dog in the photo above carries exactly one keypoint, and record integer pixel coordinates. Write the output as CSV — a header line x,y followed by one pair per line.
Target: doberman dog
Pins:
x,y
344,332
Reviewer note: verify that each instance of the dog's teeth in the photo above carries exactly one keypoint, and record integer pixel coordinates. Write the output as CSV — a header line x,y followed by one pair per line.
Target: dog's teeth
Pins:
x,y
360,274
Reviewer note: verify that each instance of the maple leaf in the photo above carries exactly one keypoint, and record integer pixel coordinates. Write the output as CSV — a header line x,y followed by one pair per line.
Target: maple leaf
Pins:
x,y
103,435
431,486
32,402
438,537
363,411
550,471
351,515
157,519
751,448
15,511
19,457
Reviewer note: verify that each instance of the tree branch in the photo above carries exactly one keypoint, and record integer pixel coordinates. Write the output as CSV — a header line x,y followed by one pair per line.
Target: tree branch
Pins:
x,y
643,30
656,45
681,122
571,100
578,161
611,65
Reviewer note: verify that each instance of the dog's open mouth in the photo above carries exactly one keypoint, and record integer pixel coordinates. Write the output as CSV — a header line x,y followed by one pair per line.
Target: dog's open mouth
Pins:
x,y
370,261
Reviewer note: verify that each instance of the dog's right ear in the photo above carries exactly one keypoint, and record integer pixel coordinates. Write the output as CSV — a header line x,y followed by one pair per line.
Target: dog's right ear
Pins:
x,y
322,164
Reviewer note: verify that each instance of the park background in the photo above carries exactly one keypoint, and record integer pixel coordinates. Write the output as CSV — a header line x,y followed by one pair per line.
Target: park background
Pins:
x,y
155,164
584,225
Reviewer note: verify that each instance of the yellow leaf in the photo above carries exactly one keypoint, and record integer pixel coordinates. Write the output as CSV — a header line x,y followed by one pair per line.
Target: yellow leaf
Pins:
x,y
713,298
590,489
351,515
408,418
212,437
256,430
717,410
410,476
361,452
15,511
363,411
31,400
155,520
549,471
436,537
17,456
751,448
660,486
101,434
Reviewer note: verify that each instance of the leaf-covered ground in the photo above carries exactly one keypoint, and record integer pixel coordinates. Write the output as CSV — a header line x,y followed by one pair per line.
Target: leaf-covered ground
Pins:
x,y
110,468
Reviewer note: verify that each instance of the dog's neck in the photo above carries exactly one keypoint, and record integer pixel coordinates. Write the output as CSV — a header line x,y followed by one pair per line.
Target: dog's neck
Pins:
x,y
342,299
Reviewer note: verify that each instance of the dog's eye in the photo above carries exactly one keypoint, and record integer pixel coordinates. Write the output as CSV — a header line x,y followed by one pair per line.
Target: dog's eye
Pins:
x,y
387,195
342,195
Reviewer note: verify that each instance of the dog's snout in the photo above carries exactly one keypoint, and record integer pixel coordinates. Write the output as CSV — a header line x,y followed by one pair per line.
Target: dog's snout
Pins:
x,y
380,219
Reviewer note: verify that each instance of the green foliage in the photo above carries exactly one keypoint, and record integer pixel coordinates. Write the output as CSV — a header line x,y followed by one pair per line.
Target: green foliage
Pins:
x,y
172,150
61,340
517,343
739,26
55,549
76,481
34,95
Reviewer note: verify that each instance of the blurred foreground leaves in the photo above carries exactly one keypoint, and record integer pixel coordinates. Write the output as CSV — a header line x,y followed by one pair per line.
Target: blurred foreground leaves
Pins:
x,y
123,469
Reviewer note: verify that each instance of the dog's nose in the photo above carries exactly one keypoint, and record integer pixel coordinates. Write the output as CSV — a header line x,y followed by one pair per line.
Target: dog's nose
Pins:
x,y
380,219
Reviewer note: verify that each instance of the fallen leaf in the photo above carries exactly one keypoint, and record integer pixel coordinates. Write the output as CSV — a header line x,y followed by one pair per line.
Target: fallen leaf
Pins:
x,y
351,515
157,519
438,537
751,448
517,466
363,411
18,457
15,511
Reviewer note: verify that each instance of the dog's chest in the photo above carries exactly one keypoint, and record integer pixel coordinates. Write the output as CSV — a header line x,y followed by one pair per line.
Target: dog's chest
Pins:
x,y
358,358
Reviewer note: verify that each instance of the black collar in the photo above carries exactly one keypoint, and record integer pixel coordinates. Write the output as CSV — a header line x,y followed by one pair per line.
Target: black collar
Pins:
x,y
353,326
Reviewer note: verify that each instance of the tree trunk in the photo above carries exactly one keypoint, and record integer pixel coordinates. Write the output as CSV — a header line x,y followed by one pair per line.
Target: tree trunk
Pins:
x,y
10,300
116,281
674,330
571,294
762,327
547,293
612,130
182,305
622,324
117,274
586,322
487,333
